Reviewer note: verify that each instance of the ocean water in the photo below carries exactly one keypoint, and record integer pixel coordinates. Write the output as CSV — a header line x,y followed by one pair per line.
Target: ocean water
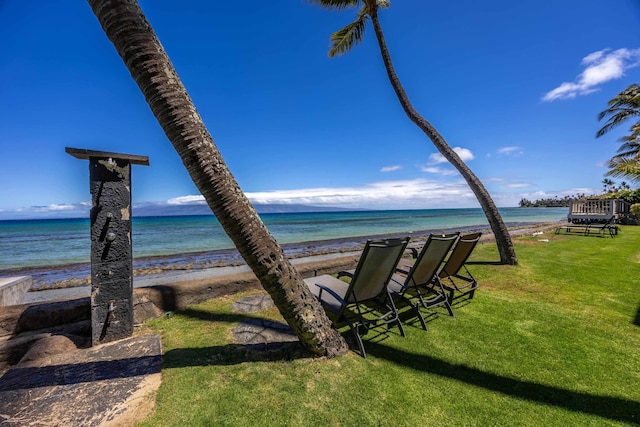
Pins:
x,y
36,243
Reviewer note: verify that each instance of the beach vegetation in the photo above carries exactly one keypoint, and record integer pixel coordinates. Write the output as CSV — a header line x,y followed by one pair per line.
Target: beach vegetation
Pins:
x,y
343,40
549,202
551,342
612,190
137,44
631,196
623,108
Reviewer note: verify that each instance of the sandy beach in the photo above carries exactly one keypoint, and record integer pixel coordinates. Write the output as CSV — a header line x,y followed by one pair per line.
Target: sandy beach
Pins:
x,y
73,280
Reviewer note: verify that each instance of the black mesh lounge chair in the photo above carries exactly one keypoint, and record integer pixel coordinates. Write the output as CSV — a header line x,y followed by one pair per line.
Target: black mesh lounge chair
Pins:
x,y
420,284
452,278
366,301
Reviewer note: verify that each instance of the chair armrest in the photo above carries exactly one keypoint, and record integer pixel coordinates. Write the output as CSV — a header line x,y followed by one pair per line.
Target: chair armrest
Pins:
x,y
330,291
348,274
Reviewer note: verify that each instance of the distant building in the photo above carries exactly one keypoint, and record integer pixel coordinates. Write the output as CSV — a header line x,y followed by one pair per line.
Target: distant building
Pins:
x,y
598,210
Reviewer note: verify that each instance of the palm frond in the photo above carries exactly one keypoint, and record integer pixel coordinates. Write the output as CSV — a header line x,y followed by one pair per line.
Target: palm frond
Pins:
x,y
628,98
618,117
628,168
336,4
343,40
630,147
621,108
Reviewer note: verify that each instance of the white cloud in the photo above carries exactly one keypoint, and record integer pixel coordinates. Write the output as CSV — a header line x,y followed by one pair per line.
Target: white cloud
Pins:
x,y
513,151
464,153
536,195
601,66
400,194
391,168
438,171
436,159
186,200
377,195
383,194
56,207
518,185
55,210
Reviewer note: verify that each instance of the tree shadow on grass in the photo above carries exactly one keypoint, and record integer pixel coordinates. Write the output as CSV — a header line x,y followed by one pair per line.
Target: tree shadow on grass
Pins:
x,y
264,348
612,408
636,321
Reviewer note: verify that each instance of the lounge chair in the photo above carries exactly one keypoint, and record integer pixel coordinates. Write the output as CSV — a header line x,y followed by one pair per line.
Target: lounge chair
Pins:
x,y
366,301
420,284
452,278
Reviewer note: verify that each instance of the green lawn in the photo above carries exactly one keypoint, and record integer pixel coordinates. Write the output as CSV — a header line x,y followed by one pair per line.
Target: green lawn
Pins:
x,y
553,341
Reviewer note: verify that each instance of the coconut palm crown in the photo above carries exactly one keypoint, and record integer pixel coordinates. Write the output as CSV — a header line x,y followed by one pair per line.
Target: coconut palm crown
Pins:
x,y
343,40
624,107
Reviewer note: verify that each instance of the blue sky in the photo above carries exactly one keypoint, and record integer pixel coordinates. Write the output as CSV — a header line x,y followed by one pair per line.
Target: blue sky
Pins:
x,y
516,86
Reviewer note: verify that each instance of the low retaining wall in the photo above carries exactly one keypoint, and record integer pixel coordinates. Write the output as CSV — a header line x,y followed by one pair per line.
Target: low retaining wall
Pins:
x,y
13,289
22,326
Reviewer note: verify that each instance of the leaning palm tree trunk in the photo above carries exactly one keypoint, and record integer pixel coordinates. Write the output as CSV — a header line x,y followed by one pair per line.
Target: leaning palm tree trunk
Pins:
x,y
126,26
503,240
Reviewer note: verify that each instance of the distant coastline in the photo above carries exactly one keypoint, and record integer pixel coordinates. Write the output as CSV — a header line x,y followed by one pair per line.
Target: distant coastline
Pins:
x,y
160,209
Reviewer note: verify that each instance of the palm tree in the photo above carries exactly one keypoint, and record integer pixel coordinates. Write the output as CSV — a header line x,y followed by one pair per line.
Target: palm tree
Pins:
x,y
621,167
135,41
607,184
344,39
623,107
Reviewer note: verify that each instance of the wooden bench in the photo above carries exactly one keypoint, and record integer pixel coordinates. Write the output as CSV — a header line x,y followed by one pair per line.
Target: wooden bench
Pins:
x,y
587,229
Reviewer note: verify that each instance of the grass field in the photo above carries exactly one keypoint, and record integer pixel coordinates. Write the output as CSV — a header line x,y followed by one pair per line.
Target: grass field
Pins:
x,y
553,341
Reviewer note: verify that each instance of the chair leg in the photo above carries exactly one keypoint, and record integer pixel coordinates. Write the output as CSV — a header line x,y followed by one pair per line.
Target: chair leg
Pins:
x,y
401,328
356,334
442,298
450,297
449,309
416,307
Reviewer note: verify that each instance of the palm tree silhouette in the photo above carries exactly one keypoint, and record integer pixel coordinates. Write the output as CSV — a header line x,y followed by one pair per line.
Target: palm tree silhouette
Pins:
x,y
344,39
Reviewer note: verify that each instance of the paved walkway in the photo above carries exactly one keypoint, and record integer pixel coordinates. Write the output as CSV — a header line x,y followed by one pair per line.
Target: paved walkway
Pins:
x,y
112,384
166,278
260,334
109,385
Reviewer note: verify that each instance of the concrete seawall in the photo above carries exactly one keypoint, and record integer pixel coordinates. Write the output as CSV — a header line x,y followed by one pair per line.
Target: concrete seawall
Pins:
x,y
13,289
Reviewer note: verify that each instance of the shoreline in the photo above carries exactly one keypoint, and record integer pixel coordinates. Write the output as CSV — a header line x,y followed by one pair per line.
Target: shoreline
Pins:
x,y
78,274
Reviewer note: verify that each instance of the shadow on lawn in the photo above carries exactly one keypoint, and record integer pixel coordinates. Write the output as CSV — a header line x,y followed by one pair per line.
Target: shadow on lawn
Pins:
x,y
232,354
636,321
613,408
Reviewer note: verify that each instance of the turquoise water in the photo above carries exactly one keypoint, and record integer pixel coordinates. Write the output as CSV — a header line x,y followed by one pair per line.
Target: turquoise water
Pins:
x,y
31,243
